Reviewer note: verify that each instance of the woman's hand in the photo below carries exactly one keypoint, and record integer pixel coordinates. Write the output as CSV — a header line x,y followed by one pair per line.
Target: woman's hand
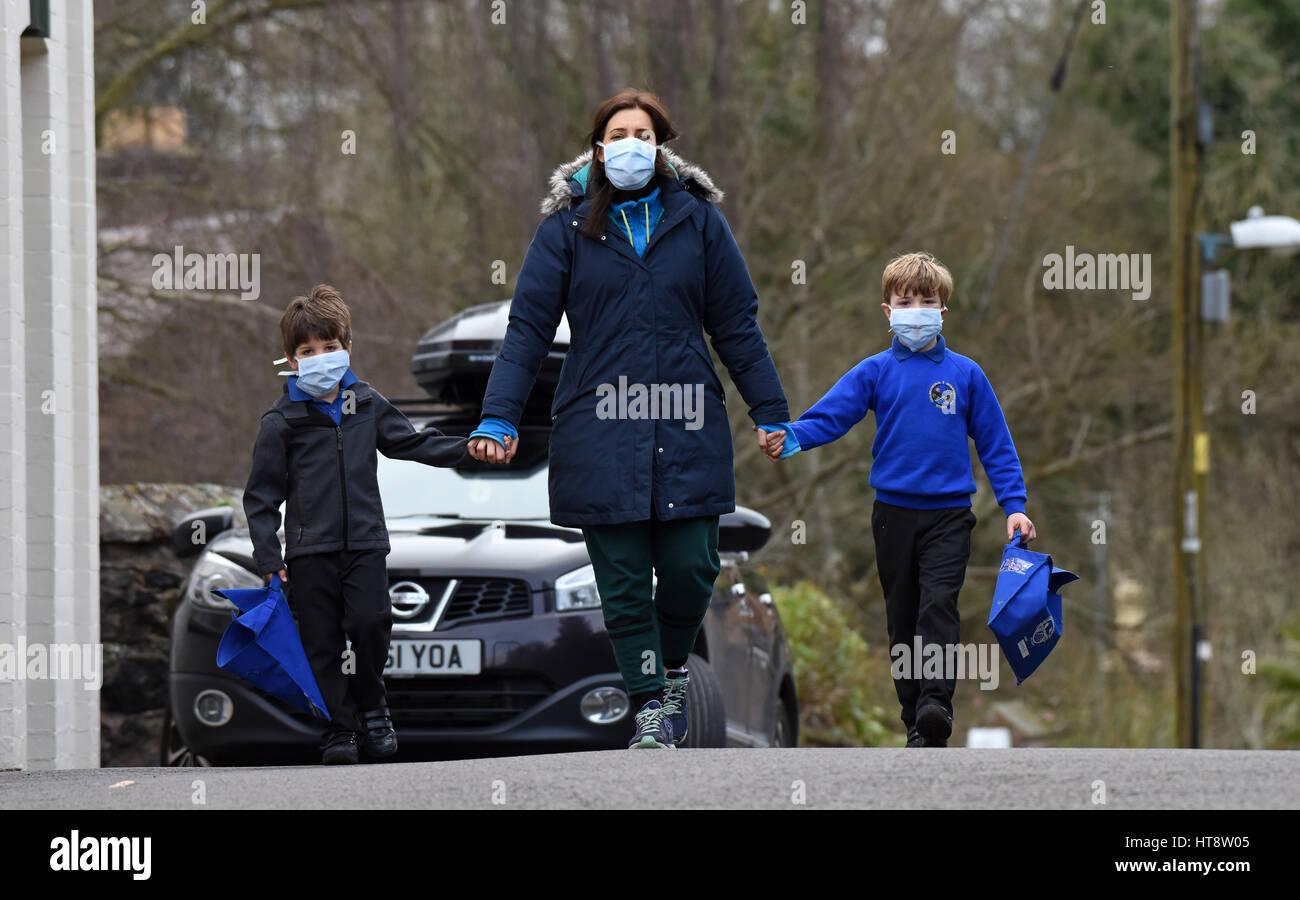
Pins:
x,y
487,450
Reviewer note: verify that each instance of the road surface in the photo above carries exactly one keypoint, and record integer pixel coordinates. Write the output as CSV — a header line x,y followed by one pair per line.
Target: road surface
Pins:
x,y
803,778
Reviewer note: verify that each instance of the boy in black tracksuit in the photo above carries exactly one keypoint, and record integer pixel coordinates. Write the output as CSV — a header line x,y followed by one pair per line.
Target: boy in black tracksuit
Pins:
x,y
315,453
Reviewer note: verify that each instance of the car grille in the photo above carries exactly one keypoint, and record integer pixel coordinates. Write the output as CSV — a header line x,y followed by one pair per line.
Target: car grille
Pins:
x,y
470,701
488,598
475,600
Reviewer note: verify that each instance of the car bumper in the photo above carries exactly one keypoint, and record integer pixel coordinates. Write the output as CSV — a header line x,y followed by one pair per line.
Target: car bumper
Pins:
x,y
261,730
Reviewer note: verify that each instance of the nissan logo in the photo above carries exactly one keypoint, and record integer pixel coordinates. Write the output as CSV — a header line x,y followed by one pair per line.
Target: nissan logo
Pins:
x,y
408,598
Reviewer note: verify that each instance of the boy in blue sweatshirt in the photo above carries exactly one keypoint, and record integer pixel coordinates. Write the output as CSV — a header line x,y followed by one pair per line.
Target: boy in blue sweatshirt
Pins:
x,y
928,402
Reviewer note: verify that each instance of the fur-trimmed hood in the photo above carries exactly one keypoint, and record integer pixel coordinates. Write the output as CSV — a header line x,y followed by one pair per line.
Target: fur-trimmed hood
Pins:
x,y
568,183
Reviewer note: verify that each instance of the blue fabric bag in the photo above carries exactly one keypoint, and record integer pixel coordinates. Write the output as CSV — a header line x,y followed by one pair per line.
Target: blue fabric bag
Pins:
x,y
1026,614
261,646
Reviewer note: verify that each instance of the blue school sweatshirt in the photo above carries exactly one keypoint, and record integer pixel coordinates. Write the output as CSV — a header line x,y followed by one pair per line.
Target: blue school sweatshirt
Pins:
x,y
927,405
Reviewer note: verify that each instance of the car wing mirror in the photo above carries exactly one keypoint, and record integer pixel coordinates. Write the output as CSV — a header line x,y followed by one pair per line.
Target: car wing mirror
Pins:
x,y
193,532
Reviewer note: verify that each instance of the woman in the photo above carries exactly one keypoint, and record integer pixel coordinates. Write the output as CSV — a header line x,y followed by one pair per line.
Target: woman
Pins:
x,y
633,249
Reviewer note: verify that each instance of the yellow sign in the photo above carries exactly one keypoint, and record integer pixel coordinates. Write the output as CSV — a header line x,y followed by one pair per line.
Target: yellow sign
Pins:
x,y
1201,454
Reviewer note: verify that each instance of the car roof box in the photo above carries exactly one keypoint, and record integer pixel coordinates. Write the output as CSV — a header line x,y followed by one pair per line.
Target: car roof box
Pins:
x,y
452,360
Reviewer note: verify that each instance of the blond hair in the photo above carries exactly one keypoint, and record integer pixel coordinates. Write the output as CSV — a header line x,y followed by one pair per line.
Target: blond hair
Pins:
x,y
918,273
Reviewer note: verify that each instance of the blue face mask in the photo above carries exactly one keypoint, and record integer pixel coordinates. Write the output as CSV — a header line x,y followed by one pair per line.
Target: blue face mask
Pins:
x,y
629,162
916,327
320,373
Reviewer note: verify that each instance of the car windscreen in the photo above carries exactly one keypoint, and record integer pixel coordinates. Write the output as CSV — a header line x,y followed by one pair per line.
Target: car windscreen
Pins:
x,y
414,489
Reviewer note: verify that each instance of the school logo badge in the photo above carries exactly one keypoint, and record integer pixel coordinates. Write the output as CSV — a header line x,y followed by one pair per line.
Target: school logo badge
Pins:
x,y
944,396
1016,566
1045,630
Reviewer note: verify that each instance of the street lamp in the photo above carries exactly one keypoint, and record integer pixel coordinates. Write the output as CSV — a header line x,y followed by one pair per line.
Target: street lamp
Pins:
x,y
1258,231
1281,234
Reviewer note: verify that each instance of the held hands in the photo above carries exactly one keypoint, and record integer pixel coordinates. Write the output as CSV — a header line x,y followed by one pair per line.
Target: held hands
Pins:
x,y
770,442
487,450
777,440
1021,521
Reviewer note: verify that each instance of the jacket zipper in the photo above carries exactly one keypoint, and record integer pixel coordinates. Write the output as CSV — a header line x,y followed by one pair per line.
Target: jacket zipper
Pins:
x,y
343,484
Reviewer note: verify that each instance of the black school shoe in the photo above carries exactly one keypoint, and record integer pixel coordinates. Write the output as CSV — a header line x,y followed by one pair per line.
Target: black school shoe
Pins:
x,y
914,739
934,725
380,739
340,749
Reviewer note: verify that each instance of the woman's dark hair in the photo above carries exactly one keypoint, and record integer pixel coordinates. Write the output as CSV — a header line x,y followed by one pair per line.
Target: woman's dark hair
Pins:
x,y
599,188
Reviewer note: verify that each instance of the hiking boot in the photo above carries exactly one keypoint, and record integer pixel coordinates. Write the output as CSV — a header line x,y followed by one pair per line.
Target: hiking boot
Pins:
x,y
340,749
674,705
653,730
380,739
934,725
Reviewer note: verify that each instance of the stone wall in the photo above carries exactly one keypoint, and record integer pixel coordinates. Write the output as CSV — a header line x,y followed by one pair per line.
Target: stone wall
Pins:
x,y
140,581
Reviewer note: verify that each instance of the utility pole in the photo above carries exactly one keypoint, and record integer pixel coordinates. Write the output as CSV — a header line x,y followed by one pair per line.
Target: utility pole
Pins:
x,y
1190,442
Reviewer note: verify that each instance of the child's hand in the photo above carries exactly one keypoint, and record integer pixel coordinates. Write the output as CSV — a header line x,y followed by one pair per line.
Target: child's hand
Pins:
x,y
770,442
284,576
487,450
1021,521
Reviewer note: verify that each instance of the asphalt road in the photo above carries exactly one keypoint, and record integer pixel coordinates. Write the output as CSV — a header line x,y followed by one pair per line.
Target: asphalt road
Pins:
x,y
804,778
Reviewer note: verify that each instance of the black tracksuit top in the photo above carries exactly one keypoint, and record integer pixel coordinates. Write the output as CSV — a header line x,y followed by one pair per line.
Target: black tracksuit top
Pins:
x,y
325,474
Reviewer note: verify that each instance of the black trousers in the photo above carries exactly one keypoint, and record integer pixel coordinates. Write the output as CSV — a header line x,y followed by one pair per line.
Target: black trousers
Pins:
x,y
336,596
921,556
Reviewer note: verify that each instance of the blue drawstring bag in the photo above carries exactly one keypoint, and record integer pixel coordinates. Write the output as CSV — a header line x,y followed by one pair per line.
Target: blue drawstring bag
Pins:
x,y
1026,614
261,646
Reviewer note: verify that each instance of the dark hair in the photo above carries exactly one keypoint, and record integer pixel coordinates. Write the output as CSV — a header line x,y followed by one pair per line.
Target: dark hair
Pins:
x,y
599,188
323,315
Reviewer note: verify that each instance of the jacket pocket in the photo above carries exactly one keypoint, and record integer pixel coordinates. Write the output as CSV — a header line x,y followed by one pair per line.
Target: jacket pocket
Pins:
x,y
708,364
569,388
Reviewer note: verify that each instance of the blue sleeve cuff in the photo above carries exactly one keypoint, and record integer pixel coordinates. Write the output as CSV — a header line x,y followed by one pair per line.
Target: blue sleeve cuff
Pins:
x,y
1013,506
496,428
791,445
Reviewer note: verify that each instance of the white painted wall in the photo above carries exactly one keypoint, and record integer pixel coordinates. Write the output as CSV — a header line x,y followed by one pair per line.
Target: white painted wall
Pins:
x,y
49,448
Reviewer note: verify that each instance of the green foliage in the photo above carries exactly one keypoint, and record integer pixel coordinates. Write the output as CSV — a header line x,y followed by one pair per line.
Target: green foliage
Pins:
x,y
837,676
1283,676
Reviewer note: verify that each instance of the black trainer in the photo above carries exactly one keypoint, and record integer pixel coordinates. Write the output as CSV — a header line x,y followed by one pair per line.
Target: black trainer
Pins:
x,y
380,739
934,725
340,749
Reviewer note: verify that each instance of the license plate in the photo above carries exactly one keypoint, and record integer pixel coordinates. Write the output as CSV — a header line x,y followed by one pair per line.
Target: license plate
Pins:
x,y
434,658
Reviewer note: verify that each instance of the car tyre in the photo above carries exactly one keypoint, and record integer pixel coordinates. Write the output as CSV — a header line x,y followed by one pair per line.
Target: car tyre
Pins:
x,y
706,713
784,734
174,751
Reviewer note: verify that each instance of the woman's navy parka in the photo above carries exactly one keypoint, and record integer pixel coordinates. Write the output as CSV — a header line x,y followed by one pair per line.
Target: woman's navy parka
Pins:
x,y
623,438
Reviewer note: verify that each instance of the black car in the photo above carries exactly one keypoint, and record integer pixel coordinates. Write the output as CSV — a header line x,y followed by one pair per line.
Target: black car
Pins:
x,y
498,644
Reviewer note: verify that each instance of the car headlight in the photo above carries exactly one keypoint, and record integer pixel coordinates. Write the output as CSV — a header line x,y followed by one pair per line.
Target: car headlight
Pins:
x,y
215,572
577,590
